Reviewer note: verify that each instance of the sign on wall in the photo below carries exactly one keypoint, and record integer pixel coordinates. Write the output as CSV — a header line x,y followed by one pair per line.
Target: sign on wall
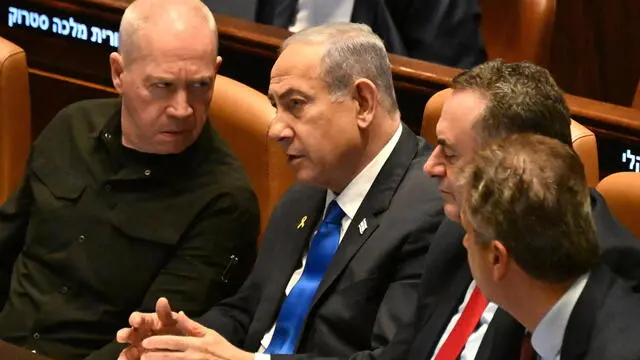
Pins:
x,y
65,26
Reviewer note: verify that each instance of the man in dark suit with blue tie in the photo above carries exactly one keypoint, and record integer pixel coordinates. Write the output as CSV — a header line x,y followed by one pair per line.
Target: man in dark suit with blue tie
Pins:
x,y
343,252
532,249
488,102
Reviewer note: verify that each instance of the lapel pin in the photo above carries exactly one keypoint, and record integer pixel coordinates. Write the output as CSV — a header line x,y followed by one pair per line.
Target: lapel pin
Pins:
x,y
301,224
362,226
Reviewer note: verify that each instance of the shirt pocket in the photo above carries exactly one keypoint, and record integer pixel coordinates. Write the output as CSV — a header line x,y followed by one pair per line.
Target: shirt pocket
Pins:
x,y
55,213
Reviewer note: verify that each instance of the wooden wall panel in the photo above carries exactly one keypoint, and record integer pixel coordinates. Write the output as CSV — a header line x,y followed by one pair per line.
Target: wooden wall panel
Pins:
x,y
595,50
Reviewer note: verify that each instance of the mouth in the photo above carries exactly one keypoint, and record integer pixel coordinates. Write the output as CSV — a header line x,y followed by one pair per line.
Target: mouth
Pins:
x,y
174,133
293,158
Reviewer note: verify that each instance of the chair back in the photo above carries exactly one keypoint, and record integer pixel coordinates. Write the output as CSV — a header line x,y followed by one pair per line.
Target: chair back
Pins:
x,y
518,30
15,117
621,191
242,116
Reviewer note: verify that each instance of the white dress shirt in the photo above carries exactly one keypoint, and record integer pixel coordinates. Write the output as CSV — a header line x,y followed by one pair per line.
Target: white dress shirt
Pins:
x,y
548,335
475,339
349,200
318,12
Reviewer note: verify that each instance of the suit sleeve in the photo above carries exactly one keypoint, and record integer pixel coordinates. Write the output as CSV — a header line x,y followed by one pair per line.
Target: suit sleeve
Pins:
x,y
446,32
232,317
14,219
398,305
200,273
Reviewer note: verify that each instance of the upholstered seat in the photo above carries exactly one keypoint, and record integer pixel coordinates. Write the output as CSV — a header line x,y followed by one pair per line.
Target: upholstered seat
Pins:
x,y
622,194
518,30
242,116
15,116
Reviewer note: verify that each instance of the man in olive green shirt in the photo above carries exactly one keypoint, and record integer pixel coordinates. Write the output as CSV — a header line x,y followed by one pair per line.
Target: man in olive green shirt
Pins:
x,y
126,200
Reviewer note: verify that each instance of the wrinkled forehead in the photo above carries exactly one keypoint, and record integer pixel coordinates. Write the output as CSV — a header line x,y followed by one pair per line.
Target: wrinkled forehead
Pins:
x,y
299,59
297,67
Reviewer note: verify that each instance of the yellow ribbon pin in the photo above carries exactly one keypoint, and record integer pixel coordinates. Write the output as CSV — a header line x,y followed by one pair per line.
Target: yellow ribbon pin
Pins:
x,y
301,224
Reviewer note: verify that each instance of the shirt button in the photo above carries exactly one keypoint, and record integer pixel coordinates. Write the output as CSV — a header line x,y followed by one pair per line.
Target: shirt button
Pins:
x,y
64,290
36,336
107,136
107,188
147,172
81,238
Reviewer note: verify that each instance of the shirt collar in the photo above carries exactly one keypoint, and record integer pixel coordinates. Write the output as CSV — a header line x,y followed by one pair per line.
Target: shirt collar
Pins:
x,y
353,195
548,335
110,138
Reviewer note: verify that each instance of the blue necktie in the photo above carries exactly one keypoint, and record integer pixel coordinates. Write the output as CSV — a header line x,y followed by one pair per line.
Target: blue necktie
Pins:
x,y
295,308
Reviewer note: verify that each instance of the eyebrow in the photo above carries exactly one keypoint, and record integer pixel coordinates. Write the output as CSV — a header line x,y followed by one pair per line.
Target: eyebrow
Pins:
x,y
290,92
442,142
155,78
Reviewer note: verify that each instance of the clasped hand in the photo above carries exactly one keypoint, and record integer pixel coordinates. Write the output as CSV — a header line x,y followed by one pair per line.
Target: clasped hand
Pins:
x,y
167,335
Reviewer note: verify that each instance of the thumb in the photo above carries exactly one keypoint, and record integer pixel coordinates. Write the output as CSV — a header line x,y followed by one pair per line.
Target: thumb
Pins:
x,y
190,327
163,310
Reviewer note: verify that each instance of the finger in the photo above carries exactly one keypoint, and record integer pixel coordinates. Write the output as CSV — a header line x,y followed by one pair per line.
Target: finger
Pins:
x,y
124,335
190,327
167,342
141,320
166,316
167,355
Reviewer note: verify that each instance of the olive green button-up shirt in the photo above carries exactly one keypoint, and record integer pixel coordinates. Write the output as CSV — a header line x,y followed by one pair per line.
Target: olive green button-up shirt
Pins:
x,y
97,231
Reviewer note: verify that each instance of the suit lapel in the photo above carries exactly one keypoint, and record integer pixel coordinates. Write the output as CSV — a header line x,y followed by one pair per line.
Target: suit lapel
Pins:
x,y
438,315
375,203
293,242
503,338
577,335
279,13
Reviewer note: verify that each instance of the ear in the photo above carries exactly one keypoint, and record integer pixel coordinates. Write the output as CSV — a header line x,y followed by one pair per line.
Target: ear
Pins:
x,y
218,63
366,97
117,70
499,260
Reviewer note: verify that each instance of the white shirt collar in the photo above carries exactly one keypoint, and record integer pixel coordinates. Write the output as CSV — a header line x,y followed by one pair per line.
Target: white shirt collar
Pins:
x,y
352,196
548,335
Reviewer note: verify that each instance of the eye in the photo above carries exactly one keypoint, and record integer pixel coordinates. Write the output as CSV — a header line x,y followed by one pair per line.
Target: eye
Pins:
x,y
162,84
449,156
201,84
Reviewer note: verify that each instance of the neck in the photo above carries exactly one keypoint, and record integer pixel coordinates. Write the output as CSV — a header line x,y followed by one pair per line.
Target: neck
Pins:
x,y
374,139
529,300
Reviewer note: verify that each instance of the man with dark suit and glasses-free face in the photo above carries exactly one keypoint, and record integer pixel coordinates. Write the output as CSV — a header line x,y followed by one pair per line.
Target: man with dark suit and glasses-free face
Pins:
x,y
532,249
453,319
343,252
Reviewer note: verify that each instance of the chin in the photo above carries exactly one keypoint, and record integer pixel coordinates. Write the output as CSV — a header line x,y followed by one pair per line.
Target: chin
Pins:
x,y
452,212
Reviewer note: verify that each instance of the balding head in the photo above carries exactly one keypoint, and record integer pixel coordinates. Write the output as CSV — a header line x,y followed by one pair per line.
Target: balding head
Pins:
x,y
165,71
147,21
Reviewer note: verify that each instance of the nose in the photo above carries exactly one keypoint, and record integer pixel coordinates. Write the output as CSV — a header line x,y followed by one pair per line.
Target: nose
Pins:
x,y
180,106
435,166
279,130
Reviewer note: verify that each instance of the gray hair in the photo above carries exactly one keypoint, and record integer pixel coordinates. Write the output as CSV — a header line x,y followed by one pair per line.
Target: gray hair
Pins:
x,y
522,98
352,51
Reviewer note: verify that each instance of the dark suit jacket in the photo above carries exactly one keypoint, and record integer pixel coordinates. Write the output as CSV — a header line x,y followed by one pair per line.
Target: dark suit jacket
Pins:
x,y
441,31
369,289
447,277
